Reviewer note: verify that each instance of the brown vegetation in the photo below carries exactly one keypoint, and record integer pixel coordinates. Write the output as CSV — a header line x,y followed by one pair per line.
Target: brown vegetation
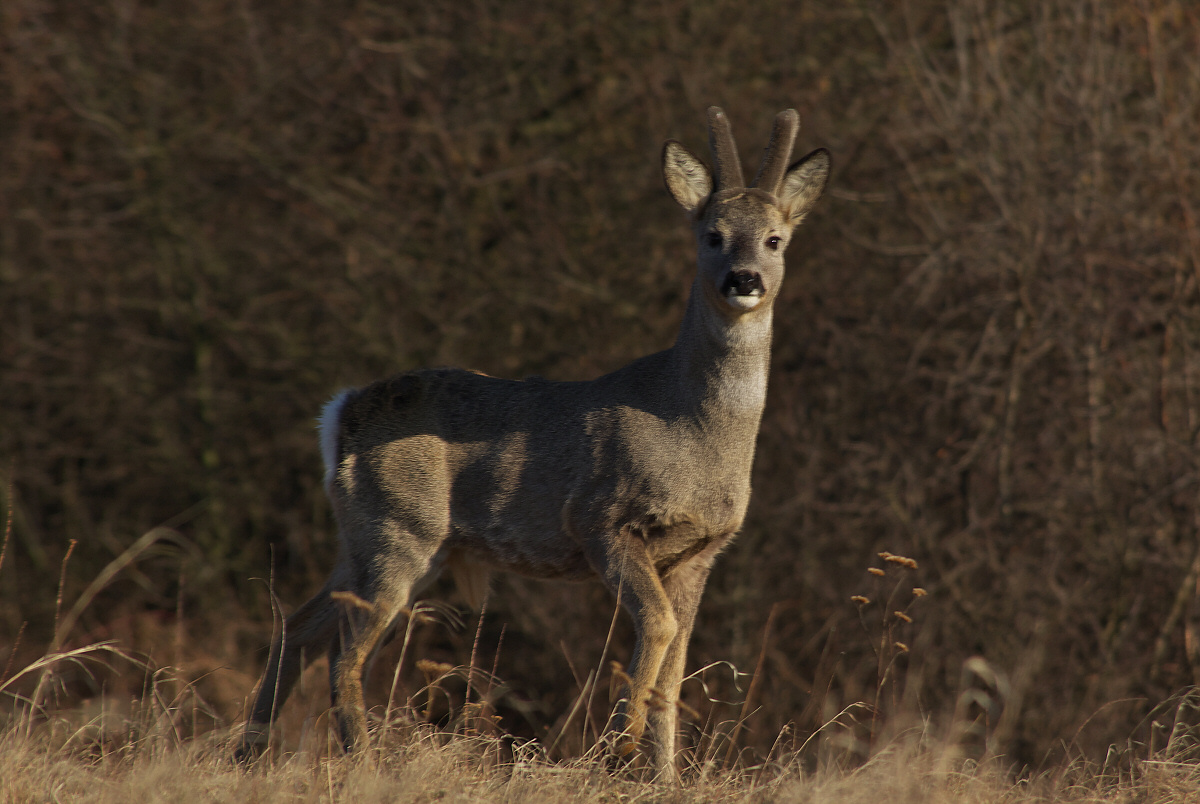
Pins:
x,y
464,770
213,214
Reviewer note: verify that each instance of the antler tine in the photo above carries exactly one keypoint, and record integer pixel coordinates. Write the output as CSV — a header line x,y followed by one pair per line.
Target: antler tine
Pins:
x,y
728,168
775,160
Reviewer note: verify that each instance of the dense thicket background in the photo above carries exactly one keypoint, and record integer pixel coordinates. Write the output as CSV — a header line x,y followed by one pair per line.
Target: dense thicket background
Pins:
x,y
213,214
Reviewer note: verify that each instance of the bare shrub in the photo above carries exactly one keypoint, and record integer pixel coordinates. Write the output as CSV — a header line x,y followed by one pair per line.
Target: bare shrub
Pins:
x,y
213,215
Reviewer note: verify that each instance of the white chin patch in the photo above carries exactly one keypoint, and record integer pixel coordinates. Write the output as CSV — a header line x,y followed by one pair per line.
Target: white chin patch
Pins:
x,y
744,302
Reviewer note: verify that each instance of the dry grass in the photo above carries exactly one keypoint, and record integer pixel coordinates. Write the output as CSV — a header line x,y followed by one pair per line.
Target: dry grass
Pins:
x,y
60,763
168,744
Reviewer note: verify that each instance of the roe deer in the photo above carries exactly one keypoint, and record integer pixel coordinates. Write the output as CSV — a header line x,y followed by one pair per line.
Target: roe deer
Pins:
x,y
640,477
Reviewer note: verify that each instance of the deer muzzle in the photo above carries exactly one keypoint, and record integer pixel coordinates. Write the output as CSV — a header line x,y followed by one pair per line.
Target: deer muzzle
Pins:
x,y
742,283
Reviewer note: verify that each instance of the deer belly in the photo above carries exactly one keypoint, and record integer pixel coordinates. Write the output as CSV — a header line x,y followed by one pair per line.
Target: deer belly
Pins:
x,y
541,553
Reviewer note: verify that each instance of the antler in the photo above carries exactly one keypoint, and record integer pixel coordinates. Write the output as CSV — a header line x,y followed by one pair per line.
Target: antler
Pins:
x,y
728,169
775,160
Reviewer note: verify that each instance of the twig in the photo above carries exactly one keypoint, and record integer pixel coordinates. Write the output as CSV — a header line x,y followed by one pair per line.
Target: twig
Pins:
x,y
754,683
612,627
1183,596
7,526
105,577
584,694
13,654
495,663
62,581
474,653
408,629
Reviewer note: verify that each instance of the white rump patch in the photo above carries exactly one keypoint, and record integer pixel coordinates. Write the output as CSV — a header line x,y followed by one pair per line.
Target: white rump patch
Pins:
x,y
327,429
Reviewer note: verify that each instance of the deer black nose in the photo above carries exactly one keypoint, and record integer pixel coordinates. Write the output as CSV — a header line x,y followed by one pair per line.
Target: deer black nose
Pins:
x,y
742,283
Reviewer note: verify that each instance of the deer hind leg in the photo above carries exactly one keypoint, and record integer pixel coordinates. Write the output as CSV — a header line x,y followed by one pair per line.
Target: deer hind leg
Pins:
x,y
365,617
311,625
358,634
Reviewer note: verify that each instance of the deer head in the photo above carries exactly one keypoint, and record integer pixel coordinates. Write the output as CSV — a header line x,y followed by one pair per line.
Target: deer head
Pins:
x,y
742,232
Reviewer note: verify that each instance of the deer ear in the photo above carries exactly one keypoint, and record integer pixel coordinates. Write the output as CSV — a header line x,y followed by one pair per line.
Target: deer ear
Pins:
x,y
803,184
688,180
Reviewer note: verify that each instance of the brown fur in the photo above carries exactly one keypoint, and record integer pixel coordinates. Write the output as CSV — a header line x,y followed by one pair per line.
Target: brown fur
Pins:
x,y
640,477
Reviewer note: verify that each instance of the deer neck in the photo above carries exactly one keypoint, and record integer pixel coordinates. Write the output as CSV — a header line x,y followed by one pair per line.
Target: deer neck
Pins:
x,y
722,361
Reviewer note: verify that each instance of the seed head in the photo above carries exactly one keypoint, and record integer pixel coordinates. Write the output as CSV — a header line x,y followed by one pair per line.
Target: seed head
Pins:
x,y
903,561
433,669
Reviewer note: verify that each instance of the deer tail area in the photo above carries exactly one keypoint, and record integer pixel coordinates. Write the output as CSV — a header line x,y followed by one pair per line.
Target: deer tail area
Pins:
x,y
329,429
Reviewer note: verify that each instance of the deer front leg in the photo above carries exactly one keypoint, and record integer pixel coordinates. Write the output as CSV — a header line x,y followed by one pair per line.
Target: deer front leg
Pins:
x,y
684,587
631,574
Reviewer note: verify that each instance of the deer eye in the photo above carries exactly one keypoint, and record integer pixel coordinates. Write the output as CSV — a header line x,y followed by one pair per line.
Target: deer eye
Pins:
x,y
773,243
713,239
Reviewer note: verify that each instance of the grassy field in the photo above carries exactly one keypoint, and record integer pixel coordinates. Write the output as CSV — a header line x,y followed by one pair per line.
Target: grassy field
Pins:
x,y
169,742
152,752
455,773
216,213
68,759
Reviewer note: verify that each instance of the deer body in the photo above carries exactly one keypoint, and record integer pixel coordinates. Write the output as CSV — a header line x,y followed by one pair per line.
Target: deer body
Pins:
x,y
639,477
